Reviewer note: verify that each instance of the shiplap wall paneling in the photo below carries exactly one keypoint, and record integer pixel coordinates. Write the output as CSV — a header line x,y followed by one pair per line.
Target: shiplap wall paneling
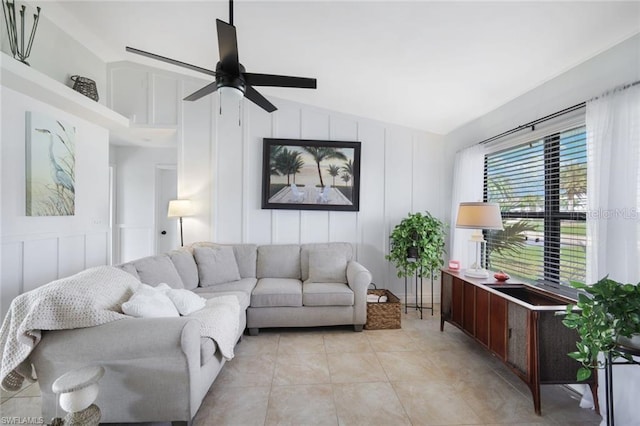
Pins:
x,y
227,182
97,245
71,258
373,235
398,187
44,254
195,171
12,267
258,221
165,100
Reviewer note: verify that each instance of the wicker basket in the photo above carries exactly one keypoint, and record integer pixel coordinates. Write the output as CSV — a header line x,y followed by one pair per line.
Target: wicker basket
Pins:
x,y
86,86
384,315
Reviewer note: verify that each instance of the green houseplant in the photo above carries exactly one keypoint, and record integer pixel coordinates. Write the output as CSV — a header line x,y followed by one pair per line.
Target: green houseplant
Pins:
x,y
417,244
606,311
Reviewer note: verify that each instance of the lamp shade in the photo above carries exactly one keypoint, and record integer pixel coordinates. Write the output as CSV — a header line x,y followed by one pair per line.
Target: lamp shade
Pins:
x,y
179,208
479,216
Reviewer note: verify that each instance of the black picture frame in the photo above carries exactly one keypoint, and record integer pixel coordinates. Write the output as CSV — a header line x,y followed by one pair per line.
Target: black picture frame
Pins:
x,y
304,188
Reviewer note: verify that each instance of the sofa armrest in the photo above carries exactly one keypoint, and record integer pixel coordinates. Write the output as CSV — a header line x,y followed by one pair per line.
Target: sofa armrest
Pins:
x,y
359,279
139,354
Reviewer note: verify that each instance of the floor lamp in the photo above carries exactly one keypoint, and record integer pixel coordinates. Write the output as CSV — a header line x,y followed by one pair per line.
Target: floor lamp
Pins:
x,y
180,209
478,216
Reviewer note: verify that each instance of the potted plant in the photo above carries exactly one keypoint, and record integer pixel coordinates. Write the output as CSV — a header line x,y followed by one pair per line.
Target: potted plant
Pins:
x,y
606,313
417,244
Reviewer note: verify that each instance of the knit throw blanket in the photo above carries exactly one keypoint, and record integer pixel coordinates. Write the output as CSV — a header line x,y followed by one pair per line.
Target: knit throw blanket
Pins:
x,y
89,298
220,321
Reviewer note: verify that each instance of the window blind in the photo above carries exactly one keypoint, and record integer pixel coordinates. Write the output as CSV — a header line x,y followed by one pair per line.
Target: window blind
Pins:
x,y
541,188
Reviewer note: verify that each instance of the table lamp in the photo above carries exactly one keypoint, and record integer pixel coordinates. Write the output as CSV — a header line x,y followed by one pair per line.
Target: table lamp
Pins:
x,y
179,208
478,216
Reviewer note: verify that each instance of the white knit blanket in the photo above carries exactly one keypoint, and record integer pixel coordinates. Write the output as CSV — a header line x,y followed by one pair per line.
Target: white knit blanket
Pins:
x,y
220,320
89,298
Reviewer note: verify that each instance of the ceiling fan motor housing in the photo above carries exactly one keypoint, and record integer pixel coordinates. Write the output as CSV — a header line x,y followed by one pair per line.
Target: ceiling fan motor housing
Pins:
x,y
224,79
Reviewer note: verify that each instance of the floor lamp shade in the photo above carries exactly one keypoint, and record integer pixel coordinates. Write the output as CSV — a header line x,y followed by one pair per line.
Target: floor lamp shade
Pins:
x,y
180,209
478,216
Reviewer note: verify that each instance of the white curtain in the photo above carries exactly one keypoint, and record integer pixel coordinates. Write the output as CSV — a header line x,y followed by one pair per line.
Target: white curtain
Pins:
x,y
468,172
613,216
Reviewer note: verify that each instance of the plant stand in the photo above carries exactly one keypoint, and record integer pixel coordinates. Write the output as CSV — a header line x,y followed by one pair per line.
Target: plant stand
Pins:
x,y
608,377
418,306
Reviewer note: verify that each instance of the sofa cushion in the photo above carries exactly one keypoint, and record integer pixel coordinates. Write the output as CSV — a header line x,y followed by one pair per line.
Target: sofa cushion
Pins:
x,y
344,248
243,298
150,302
185,301
216,265
245,256
327,266
186,266
327,294
245,285
278,261
129,268
271,292
154,270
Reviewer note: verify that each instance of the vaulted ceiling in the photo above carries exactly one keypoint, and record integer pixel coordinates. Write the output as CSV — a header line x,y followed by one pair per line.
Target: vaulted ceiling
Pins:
x,y
427,65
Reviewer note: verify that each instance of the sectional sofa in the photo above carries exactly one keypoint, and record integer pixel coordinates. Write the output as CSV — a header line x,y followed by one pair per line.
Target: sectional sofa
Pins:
x,y
160,369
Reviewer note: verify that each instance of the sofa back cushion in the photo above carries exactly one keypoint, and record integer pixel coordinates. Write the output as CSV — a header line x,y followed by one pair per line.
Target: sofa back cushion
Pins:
x,y
216,265
345,249
129,268
186,266
245,256
154,270
327,266
278,261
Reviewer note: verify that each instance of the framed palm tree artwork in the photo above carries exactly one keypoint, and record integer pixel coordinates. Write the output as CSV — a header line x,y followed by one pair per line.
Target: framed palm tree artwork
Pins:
x,y
304,174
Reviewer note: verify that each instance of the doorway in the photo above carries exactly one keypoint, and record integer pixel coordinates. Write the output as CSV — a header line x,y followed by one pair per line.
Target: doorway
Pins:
x,y
167,233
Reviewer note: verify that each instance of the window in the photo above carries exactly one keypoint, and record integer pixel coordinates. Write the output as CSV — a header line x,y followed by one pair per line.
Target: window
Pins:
x,y
541,187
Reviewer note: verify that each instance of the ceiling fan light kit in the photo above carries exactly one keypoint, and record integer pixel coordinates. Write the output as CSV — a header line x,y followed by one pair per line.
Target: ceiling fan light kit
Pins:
x,y
230,74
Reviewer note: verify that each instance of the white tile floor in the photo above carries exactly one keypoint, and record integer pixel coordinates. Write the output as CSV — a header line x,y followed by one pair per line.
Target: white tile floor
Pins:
x,y
333,376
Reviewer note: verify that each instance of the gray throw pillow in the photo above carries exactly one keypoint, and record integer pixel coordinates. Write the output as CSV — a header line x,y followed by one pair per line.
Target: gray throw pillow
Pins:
x,y
216,265
327,266
154,270
186,266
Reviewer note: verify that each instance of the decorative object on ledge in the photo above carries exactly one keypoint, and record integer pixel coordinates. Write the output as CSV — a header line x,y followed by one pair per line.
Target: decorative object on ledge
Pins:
x,y
478,216
16,44
180,209
300,174
86,86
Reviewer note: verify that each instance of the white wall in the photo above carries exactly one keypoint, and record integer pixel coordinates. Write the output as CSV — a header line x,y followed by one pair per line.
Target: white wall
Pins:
x,y
36,250
220,169
136,170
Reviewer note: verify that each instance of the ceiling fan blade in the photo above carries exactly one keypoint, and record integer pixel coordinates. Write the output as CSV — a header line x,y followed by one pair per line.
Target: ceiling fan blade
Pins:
x,y
209,88
228,47
170,61
255,97
279,81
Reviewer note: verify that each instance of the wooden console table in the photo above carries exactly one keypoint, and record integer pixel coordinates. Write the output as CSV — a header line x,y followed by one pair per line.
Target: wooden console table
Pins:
x,y
518,324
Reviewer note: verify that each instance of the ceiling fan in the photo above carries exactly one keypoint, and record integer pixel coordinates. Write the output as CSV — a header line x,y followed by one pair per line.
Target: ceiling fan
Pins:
x,y
229,71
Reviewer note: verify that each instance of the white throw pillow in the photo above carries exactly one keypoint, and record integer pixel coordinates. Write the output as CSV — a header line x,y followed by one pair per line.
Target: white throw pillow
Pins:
x,y
216,265
186,301
327,266
150,302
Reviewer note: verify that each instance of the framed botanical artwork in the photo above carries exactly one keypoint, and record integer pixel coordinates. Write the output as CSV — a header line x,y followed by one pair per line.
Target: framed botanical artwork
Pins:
x,y
303,174
50,166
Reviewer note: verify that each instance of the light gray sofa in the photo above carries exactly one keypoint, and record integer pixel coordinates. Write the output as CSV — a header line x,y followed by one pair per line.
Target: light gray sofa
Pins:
x,y
160,369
